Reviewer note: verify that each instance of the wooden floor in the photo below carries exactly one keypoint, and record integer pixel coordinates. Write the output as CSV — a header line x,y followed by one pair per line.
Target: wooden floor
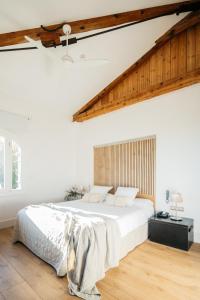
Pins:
x,y
151,271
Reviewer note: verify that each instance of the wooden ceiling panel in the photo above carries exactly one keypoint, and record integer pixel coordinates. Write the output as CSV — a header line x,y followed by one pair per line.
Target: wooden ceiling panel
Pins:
x,y
197,41
170,65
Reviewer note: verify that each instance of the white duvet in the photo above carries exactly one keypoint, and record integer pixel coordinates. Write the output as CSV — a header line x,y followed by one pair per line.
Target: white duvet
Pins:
x,y
127,218
89,230
81,245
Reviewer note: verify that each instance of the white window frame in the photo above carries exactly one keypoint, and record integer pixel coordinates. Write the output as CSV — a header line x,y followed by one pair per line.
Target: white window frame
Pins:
x,y
8,164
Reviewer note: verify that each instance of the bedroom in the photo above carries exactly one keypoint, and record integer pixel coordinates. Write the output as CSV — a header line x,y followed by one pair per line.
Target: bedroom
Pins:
x,y
56,130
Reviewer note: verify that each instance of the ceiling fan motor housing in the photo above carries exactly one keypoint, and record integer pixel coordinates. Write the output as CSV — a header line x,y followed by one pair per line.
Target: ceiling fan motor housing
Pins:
x,y
67,29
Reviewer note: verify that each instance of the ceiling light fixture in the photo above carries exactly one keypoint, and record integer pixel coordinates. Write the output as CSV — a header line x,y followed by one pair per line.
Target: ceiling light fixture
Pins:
x,y
67,31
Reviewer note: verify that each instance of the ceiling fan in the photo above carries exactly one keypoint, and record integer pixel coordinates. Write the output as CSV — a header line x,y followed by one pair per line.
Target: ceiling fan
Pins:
x,y
42,48
66,59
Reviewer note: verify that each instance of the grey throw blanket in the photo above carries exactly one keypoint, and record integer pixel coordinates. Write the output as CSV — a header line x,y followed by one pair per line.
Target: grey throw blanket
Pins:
x,y
88,245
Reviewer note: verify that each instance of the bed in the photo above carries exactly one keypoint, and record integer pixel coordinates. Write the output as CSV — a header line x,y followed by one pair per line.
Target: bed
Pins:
x,y
84,240
43,229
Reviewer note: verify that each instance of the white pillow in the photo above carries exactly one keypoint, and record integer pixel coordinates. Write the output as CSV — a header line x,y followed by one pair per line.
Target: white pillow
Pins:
x,y
127,191
93,197
100,189
122,201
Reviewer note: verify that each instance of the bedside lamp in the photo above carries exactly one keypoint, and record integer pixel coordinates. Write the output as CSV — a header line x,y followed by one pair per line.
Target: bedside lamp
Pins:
x,y
175,199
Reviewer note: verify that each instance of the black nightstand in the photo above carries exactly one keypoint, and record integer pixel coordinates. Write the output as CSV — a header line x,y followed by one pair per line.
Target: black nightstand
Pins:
x,y
172,233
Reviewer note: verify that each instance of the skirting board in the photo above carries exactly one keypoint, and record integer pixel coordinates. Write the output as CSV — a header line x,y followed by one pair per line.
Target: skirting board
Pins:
x,y
7,223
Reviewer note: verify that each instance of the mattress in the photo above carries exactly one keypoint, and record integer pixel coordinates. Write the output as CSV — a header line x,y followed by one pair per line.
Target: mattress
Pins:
x,y
127,218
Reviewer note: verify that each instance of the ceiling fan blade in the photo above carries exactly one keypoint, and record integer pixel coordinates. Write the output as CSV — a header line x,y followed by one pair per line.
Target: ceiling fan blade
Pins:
x,y
91,62
67,58
30,40
34,43
44,50
82,61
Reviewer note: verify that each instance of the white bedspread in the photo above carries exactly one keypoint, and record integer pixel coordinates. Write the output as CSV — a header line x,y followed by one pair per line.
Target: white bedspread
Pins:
x,y
90,230
128,218
81,245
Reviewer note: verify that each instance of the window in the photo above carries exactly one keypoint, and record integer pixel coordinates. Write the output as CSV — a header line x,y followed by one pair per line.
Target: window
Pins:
x,y
16,166
10,164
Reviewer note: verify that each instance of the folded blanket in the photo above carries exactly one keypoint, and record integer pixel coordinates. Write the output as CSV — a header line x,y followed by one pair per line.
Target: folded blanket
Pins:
x,y
82,245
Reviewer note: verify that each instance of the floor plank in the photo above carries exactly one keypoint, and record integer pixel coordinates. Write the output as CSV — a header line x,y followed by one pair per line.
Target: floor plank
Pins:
x,y
21,291
1,297
152,271
8,276
41,277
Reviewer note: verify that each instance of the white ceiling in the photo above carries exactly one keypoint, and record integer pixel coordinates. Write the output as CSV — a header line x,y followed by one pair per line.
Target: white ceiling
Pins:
x,y
30,80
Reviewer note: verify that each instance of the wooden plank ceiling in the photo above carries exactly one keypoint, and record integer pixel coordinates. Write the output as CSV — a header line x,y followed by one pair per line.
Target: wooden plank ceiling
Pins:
x,y
173,63
52,33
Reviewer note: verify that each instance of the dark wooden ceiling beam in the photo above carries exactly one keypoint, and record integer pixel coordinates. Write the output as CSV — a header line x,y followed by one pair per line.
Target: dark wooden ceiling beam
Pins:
x,y
189,21
12,38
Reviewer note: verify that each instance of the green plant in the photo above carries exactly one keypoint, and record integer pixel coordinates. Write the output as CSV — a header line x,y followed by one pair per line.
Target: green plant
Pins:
x,y
73,192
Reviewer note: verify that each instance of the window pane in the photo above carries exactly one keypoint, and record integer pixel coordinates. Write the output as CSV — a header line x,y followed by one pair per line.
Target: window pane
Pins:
x,y
16,166
2,160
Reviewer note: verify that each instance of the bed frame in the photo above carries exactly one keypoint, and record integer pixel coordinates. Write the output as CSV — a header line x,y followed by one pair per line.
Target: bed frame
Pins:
x,y
128,163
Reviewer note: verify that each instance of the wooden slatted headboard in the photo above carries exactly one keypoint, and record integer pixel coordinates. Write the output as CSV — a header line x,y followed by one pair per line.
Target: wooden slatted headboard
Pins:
x,y
128,163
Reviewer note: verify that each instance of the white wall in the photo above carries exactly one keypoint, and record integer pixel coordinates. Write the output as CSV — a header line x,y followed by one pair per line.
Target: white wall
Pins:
x,y
174,118
57,153
48,143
